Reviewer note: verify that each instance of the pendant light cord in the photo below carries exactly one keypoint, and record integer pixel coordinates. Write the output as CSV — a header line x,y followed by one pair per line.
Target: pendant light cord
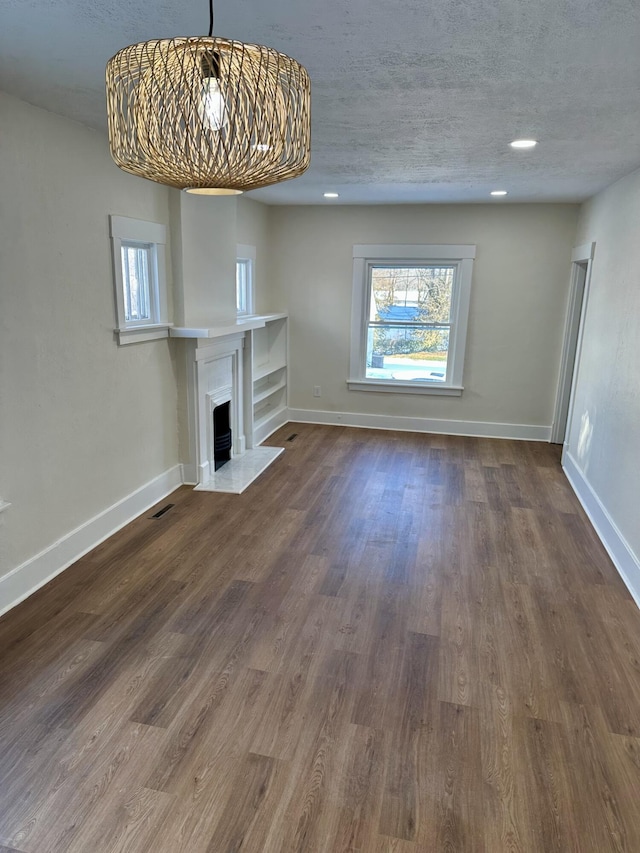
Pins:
x,y
210,18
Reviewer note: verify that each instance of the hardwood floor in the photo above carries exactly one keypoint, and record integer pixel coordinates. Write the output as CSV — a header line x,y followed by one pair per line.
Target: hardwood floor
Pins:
x,y
391,643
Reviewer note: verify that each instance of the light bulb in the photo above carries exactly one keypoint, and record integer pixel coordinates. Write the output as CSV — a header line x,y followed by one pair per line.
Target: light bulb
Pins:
x,y
214,104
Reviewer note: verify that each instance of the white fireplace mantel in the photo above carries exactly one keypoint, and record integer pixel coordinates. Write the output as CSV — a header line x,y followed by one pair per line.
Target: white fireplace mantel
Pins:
x,y
220,368
233,327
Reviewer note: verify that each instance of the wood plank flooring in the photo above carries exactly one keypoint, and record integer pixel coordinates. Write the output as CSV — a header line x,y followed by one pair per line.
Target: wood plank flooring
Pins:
x,y
391,643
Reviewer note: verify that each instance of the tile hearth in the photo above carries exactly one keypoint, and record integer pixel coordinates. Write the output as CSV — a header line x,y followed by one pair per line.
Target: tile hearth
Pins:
x,y
240,471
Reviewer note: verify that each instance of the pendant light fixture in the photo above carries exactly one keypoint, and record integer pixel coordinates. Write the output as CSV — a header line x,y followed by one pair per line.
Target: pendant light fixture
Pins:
x,y
207,114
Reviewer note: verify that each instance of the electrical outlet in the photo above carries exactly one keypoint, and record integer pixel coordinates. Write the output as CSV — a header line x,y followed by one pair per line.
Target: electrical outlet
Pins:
x,y
317,391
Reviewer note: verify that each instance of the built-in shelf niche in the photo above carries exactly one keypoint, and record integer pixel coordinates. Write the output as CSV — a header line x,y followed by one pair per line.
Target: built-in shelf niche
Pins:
x,y
269,347
266,386
266,363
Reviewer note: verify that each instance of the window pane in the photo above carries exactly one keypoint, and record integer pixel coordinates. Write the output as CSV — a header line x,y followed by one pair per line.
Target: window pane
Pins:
x,y
407,353
242,286
135,282
411,294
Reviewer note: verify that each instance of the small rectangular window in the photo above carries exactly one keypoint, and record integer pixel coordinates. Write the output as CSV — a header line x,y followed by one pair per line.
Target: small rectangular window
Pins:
x,y
136,266
245,265
140,279
243,285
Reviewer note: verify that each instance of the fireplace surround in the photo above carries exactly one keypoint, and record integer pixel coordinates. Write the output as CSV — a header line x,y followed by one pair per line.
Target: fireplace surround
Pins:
x,y
219,365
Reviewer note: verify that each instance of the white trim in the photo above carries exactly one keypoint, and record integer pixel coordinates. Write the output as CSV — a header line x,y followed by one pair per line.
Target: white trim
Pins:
x,y
139,230
202,355
4,505
480,429
245,252
213,399
137,334
622,556
234,327
25,579
396,387
364,257
572,337
586,252
122,229
460,303
581,253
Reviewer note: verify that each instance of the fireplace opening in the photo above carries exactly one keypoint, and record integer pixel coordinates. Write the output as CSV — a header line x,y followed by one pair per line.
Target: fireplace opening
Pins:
x,y
221,435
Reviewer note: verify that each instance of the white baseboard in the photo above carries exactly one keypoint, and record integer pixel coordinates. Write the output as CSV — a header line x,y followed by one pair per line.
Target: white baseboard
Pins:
x,y
622,556
25,579
480,429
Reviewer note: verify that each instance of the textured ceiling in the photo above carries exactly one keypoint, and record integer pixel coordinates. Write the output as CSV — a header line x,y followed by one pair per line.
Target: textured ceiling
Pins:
x,y
411,101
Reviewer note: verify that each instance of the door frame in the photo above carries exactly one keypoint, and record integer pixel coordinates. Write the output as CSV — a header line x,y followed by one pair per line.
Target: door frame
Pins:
x,y
581,262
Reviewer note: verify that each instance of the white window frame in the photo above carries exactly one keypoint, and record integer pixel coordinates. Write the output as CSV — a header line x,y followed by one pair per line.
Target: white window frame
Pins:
x,y
246,255
365,257
124,232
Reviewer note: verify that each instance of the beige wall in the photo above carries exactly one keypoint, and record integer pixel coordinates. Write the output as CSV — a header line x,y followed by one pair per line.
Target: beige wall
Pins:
x,y
203,243
519,293
205,233
253,230
603,436
83,422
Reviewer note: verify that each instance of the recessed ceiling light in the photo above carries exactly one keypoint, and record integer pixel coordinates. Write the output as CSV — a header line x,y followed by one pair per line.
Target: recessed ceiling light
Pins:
x,y
523,143
498,192
331,195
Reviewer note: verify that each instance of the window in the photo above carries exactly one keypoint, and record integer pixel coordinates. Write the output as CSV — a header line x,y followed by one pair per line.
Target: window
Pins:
x,y
409,318
139,267
245,261
137,263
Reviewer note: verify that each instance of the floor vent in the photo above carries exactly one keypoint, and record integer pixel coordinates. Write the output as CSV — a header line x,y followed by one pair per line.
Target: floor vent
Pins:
x,y
292,436
162,511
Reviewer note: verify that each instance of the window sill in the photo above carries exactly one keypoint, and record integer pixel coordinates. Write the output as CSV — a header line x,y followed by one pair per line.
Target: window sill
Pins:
x,y
404,387
137,334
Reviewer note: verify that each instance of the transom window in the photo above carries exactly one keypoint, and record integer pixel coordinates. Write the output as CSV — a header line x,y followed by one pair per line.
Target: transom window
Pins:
x,y
409,317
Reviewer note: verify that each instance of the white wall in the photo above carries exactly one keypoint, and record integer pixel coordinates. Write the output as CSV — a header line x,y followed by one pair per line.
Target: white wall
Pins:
x,y
203,241
519,293
253,230
83,422
603,437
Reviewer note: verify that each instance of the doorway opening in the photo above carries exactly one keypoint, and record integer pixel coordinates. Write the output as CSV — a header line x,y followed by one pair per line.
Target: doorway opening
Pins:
x,y
574,322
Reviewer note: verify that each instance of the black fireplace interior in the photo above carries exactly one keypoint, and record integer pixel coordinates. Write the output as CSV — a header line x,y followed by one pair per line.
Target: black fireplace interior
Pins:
x,y
221,435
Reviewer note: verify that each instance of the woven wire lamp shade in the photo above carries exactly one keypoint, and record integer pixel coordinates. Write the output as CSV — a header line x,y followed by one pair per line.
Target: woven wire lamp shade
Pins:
x,y
161,126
